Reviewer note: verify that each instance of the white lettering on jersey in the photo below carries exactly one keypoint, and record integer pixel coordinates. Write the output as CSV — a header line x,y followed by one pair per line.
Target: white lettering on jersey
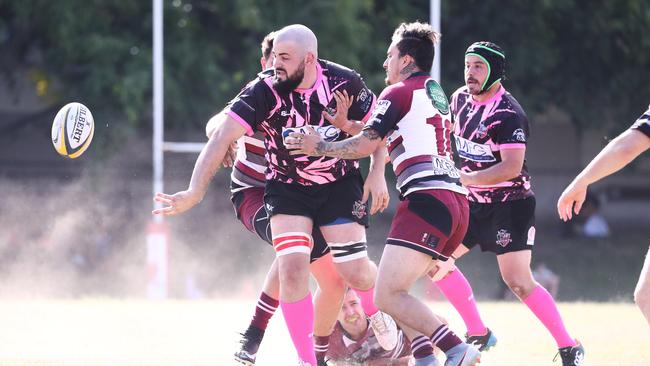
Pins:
x,y
444,166
381,107
472,151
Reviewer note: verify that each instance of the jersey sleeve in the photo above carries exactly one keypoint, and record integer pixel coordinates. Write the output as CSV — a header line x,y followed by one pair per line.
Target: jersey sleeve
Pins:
x,y
512,132
363,99
642,124
389,110
252,105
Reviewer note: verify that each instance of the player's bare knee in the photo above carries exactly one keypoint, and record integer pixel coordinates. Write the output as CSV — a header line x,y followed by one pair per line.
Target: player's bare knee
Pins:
x,y
360,280
383,299
520,287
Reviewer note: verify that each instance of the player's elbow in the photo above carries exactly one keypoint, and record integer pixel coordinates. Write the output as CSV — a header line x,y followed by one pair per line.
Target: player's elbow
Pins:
x,y
211,126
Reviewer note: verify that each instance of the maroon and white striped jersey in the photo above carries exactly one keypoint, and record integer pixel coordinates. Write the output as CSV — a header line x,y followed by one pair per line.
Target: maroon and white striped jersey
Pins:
x,y
415,116
643,123
250,163
345,350
259,107
482,131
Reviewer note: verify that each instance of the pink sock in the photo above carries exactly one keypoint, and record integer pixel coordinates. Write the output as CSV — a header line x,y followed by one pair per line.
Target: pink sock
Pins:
x,y
541,303
299,317
368,300
459,293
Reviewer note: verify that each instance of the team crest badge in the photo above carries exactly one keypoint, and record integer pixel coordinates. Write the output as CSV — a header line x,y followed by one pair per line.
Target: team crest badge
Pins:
x,y
519,135
503,237
437,96
481,130
359,209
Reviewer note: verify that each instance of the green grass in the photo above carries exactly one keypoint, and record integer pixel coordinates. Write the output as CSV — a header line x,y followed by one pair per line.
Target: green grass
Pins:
x,y
132,332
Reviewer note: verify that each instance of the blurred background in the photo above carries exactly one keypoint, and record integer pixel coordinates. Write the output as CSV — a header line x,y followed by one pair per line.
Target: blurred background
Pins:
x,y
78,228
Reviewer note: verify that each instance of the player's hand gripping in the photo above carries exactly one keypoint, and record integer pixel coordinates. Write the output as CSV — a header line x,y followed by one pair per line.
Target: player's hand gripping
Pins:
x,y
303,144
571,200
340,118
231,155
176,203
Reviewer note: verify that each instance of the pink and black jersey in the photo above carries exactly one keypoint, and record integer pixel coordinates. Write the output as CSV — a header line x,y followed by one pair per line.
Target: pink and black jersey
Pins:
x,y
343,348
484,129
643,123
259,107
415,116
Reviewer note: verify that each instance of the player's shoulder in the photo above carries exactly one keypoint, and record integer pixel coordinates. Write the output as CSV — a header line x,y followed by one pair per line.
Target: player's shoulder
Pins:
x,y
261,84
334,70
512,106
264,78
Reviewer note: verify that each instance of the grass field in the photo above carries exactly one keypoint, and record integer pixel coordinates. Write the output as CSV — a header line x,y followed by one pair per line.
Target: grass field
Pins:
x,y
192,333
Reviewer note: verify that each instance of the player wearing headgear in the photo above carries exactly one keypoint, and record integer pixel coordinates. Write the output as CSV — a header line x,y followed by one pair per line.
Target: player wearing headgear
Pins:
x,y
491,131
616,155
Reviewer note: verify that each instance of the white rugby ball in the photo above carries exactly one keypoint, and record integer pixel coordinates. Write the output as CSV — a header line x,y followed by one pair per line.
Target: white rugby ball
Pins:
x,y
72,130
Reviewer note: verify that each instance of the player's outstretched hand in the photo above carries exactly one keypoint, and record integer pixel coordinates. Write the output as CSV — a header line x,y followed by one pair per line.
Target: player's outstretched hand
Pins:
x,y
375,186
303,144
176,203
571,201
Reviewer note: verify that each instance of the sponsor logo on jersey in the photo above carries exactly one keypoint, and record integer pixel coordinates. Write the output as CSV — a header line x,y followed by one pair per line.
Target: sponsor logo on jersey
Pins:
x,y
437,96
519,135
363,95
381,107
328,133
470,150
443,166
503,237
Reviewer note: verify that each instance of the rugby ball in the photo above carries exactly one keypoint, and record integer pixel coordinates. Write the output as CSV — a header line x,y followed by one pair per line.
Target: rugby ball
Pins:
x,y
72,130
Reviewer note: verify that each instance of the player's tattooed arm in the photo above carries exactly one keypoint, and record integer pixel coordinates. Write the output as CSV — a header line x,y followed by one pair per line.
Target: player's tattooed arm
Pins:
x,y
312,144
356,147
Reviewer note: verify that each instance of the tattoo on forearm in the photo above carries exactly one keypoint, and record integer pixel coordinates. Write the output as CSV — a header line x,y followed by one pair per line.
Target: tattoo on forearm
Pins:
x,y
371,134
408,69
346,149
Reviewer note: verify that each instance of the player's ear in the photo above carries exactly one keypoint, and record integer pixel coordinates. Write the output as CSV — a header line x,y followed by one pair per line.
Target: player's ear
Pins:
x,y
310,58
407,59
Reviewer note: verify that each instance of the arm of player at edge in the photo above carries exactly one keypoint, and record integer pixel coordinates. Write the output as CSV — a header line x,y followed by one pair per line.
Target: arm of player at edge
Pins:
x,y
207,164
616,155
512,160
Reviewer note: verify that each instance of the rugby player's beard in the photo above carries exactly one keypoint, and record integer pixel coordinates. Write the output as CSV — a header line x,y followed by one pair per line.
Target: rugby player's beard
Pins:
x,y
291,82
470,90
